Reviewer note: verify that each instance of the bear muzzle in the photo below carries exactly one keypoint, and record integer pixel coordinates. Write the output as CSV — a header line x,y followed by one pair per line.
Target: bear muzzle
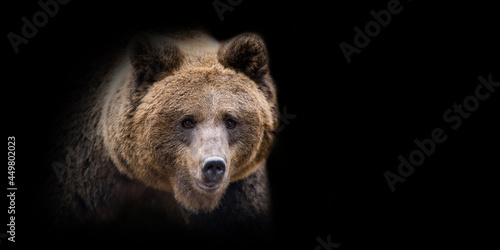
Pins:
x,y
213,169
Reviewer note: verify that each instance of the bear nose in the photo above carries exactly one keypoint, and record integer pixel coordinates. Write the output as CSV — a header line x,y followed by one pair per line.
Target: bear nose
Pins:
x,y
213,168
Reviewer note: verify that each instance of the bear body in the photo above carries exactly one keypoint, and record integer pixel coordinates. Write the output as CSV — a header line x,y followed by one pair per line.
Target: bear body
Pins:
x,y
178,125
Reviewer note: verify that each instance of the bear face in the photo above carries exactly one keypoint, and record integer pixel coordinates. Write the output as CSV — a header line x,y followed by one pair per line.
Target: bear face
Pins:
x,y
188,115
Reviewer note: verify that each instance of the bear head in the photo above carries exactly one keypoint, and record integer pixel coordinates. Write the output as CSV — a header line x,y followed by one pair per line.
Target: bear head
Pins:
x,y
189,115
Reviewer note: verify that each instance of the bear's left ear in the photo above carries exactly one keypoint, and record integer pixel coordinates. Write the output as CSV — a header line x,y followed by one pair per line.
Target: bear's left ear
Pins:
x,y
153,57
247,54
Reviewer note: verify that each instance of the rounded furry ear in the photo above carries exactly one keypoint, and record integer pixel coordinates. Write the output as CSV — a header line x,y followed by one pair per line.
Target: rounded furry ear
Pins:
x,y
153,57
247,54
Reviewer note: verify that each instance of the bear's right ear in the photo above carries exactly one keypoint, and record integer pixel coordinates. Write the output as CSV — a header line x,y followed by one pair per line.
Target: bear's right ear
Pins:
x,y
153,58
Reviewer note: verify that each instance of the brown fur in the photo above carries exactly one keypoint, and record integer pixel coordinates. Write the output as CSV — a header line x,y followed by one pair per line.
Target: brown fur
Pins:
x,y
129,126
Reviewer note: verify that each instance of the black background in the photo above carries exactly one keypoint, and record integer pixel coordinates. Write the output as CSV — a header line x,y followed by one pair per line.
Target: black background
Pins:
x,y
352,120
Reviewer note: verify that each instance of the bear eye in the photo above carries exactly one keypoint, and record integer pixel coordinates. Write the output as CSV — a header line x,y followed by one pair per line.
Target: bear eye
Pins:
x,y
230,123
188,123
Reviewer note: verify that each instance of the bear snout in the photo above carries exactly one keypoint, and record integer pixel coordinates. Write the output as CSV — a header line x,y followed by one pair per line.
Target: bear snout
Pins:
x,y
213,169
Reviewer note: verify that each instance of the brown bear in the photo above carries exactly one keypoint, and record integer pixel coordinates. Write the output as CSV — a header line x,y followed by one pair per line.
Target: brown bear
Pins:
x,y
179,123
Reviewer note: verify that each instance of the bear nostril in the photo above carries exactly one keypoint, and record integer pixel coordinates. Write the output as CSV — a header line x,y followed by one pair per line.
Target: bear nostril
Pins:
x,y
213,168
